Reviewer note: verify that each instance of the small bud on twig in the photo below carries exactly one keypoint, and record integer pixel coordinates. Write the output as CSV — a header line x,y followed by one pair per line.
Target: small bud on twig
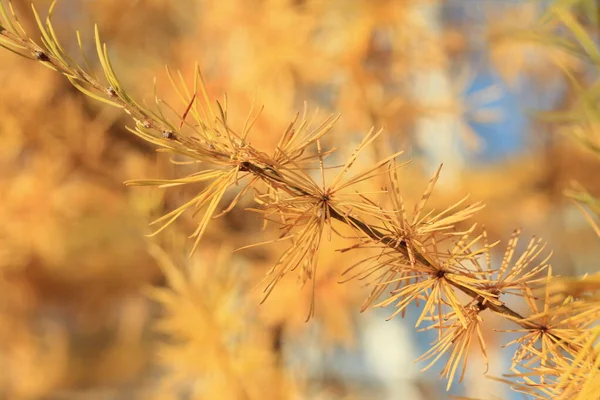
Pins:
x,y
41,56
168,135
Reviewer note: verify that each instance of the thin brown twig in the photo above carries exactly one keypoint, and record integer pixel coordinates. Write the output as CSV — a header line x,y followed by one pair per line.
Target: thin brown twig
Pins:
x,y
268,174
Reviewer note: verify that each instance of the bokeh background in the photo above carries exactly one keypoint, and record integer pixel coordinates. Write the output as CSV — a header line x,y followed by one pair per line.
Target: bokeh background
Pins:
x,y
90,308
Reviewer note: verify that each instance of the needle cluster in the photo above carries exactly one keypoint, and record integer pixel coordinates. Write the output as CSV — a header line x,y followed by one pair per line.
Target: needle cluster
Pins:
x,y
425,257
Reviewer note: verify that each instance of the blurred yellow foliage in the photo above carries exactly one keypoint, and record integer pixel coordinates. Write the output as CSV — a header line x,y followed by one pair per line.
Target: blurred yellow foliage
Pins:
x,y
90,307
